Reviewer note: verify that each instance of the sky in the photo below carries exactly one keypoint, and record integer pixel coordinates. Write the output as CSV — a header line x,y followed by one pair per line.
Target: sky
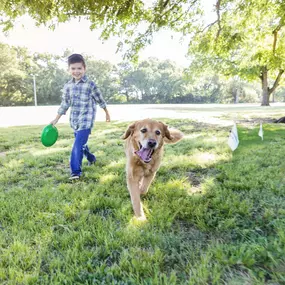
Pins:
x,y
77,37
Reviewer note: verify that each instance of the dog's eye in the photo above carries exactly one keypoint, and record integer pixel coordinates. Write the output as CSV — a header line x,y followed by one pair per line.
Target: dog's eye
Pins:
x,y
144,130
158,132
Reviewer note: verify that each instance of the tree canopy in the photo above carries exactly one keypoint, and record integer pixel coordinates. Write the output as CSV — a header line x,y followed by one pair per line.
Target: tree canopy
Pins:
x,y
245,39
120,17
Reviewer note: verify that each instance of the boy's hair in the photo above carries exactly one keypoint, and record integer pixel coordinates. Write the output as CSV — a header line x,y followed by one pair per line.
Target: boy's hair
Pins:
x,y
74,58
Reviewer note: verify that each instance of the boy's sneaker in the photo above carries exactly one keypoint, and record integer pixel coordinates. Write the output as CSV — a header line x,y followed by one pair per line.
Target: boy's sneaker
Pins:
x,y
74,177
91,162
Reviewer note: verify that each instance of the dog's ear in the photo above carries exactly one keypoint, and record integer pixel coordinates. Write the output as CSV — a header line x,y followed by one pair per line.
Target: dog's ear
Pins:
x,y
129,131
171,135
166,131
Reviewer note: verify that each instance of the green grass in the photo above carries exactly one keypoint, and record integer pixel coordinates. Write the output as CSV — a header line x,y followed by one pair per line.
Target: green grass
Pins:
x,y
214,217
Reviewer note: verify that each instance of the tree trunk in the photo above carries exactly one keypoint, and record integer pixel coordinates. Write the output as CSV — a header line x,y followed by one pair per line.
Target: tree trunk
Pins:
x,y
237,96
236,89
264,83
127,96
266,91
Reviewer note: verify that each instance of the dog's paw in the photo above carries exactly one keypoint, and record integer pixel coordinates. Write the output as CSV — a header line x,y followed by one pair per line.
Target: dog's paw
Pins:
x,y
138,221
141,218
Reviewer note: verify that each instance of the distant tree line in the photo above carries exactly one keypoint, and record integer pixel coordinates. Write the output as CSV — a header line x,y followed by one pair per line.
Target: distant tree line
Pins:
x,y
149,81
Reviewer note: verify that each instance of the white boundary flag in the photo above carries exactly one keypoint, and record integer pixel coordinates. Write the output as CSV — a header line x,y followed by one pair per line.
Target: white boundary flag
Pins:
x,y
233,140
260,133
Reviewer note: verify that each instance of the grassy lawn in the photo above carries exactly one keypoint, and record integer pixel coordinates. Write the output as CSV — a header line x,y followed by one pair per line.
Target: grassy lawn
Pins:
x,y
214,217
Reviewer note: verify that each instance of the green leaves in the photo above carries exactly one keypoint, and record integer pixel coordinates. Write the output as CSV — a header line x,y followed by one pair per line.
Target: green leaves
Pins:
x,y
247,36
122,17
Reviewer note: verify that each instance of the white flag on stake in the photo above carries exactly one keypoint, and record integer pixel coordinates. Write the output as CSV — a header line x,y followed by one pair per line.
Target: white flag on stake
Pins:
x,y
233,140
260,133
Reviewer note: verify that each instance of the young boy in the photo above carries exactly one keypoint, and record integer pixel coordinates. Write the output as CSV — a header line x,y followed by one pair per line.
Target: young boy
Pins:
x,y
82,95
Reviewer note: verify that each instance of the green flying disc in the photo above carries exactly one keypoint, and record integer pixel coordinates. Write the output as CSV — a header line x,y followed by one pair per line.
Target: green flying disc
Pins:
x,y
49,135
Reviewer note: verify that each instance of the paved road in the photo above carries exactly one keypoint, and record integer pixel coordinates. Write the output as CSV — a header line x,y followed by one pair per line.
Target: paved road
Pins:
x,y
208,113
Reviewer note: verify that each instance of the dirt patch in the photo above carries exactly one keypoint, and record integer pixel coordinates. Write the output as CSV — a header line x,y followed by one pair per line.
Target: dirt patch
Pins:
x,y
2,154
256,121
194,179
198,176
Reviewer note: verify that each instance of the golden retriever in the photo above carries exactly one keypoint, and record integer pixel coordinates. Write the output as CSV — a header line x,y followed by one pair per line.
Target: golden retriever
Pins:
x,y
144,149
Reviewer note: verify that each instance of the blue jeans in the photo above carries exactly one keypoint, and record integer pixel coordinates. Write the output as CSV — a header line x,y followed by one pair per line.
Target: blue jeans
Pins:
x,y
79,149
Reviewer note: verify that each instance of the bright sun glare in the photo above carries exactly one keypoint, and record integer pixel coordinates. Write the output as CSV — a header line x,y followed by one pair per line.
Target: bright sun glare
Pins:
x,y
41,39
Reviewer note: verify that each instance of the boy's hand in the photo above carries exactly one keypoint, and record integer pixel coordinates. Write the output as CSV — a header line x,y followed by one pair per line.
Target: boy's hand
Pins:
x,y
108,119
53,122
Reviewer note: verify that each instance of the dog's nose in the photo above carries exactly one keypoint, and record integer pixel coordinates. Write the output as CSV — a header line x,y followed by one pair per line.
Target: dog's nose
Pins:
x,y
151,143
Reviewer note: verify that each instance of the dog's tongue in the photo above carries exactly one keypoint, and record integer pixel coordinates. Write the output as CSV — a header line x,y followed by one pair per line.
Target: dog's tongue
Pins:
x,y
144,154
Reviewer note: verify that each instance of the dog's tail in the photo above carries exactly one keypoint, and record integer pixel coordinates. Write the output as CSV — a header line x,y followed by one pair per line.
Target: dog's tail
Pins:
x,y
175,136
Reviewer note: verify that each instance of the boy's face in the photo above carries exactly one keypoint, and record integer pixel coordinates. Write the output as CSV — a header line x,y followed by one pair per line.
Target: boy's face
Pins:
x,y
77,70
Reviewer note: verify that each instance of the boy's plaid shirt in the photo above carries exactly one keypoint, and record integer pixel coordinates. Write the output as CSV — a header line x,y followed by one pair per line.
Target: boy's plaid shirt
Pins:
x,y
82,98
